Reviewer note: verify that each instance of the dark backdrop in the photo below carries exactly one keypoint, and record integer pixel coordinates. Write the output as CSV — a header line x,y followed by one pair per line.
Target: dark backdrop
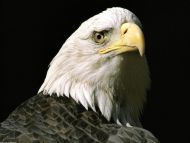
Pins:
x,y
33,32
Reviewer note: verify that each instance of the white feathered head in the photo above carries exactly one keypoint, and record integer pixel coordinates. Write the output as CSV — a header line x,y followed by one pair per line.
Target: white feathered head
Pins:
x,y
102,66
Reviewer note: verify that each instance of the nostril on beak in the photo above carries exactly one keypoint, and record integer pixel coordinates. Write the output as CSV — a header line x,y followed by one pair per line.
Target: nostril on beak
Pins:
x,y
125,31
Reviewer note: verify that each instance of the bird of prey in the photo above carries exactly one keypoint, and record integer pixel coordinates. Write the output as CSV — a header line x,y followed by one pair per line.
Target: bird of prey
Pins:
x,y
94,90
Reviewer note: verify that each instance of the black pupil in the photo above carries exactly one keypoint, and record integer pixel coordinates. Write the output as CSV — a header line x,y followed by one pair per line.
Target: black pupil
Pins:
x,y
99,36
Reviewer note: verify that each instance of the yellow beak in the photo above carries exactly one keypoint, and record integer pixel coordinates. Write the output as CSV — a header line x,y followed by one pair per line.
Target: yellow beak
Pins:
x,y
131,39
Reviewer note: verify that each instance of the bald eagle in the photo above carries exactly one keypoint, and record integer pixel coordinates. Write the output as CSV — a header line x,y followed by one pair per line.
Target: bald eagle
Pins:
x,y
94,90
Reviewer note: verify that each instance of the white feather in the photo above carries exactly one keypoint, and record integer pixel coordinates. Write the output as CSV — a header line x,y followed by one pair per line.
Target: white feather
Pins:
x,y
67,89
81,97
104,103
89,96
79,71
73,91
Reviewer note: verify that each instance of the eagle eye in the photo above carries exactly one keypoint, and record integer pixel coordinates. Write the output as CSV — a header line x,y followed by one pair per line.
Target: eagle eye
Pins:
x,y
100,37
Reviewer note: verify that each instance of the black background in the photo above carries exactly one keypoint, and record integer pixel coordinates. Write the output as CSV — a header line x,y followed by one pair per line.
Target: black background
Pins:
x,y
33,32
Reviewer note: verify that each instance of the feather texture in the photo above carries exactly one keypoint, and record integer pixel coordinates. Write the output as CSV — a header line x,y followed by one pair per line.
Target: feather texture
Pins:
x,y
86,97
50,119
106,81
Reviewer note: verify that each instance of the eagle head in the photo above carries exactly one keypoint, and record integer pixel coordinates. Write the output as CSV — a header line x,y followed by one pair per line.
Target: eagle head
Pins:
x,y
102,66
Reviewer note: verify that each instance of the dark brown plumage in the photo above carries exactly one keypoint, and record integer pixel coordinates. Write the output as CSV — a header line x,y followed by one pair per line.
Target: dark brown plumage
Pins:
x,y
52,119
